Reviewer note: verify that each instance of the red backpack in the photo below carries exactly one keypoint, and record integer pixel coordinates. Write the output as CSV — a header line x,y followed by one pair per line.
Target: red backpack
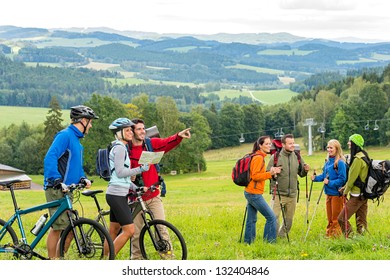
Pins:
x,y
241,170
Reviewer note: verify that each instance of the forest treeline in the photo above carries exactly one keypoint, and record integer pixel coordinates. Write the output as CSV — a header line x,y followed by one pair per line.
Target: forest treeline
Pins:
x,y
352,105
339,104
21,85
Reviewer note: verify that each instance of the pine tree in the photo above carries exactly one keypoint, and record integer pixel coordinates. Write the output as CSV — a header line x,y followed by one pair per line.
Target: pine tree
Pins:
x,y
53,124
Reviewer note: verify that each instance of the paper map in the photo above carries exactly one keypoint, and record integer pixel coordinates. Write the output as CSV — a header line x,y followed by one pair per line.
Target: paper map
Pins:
x,y
150,157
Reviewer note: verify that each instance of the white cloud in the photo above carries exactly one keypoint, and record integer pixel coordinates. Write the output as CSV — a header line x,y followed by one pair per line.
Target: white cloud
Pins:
x,y
320,5
309,18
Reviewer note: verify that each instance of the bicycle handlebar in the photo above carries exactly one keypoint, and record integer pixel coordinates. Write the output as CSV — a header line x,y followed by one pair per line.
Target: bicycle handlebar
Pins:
x,y
141,190
73,187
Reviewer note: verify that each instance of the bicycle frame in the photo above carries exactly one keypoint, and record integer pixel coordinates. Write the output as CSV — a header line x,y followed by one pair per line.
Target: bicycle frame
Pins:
x,y
137,206
63,205
151,227
141,207
101,213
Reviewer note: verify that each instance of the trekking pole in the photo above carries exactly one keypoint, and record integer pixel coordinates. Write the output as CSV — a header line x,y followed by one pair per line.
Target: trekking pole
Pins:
x,y
243,222
282,208
273,197
345,217
307,204
308,199
314,213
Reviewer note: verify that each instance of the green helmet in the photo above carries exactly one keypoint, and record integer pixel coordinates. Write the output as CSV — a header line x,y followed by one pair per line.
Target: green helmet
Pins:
x,y
357,139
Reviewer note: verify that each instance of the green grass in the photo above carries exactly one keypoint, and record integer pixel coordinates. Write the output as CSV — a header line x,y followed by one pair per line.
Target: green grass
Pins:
x,y
268,97
271,97
379,56
257,69
31,115
208,209
130,80
82,42
284,52
360,60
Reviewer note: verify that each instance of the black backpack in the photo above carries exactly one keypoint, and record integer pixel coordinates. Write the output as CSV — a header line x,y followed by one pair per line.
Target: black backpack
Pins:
x,y
378,179
103,162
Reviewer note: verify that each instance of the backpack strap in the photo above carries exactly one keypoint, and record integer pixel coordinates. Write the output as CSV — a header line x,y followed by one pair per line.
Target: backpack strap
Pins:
x,y
366,160
149,147
358,182
276,158
110,147
252,156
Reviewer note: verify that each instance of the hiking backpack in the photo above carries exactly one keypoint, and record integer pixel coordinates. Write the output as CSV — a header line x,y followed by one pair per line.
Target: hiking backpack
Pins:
x,y
241,170
378,179
103,162
277,146
276,157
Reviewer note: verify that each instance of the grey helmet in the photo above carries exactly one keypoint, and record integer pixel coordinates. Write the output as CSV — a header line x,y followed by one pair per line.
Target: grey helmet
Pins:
x,y
81,111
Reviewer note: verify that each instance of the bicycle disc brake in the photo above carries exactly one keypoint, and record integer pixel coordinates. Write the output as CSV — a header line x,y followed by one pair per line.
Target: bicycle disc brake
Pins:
x,y
163,246
88,249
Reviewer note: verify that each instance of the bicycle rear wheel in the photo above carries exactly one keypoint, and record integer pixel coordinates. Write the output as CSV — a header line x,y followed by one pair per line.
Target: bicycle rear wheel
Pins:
x,y
87,240
8,238
162,241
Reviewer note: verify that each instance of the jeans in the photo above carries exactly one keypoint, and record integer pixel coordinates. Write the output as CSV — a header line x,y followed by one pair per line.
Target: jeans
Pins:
x,y
256,202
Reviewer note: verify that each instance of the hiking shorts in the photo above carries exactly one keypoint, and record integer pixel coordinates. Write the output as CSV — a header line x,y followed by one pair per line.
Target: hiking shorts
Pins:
x,y
62,221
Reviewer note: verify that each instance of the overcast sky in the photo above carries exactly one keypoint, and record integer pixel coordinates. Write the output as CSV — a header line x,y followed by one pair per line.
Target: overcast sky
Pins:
x,y
329,19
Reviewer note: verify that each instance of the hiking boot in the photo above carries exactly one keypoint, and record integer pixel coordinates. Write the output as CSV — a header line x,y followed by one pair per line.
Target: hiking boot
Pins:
x,y
168,255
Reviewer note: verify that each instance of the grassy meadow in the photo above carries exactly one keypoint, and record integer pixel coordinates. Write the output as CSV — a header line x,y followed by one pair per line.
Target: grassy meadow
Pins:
x,y
268,97
31,115
208,209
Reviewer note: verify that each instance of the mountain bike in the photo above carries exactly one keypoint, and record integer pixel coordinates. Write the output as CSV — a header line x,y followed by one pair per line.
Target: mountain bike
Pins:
x,y
74,243
159,239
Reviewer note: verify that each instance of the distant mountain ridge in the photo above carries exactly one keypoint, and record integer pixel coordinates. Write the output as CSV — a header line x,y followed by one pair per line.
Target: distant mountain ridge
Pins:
x,y
13,32
180,65
260,60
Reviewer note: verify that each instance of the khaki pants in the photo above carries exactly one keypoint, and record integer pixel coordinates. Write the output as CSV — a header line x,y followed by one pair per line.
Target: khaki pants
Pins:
x,y
289,204
155,205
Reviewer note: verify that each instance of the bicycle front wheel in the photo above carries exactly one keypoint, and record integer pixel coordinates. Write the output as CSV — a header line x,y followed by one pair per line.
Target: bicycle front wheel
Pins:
x,y
160,240
8,239
86,240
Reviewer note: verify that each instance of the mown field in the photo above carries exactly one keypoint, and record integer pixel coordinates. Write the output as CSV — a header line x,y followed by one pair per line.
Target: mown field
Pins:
x,y
34,115
31,115
267,97
208,209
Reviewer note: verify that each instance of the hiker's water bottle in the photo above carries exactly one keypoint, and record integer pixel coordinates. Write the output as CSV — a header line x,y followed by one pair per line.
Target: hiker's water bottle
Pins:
x,y
40,223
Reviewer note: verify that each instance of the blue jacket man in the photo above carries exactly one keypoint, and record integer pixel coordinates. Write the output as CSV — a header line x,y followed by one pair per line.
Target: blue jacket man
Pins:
x,y
63,164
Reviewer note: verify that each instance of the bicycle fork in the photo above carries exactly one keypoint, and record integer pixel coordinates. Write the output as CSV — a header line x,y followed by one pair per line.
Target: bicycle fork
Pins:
x,y
155,235
79,237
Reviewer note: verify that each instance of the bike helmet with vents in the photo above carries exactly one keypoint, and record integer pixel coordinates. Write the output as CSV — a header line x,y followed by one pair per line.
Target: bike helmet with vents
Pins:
x,y
81,111
120,124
